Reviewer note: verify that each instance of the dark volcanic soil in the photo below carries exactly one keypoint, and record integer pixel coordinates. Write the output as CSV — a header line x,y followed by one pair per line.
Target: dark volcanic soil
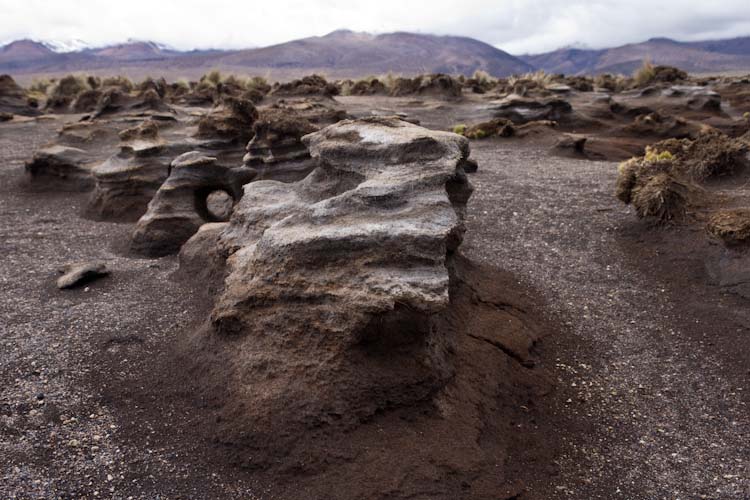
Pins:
x,y
650,360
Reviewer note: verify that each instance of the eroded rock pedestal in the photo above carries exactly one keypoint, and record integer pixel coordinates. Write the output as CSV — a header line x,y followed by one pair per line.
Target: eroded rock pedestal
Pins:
x,y
182,203
337,345
349,260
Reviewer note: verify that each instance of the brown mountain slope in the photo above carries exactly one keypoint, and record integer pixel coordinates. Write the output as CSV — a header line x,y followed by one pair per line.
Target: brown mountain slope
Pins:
x,y
341,53
695,57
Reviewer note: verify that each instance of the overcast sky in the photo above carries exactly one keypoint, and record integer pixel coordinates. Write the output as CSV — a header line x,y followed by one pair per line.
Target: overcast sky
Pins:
x,y
517,26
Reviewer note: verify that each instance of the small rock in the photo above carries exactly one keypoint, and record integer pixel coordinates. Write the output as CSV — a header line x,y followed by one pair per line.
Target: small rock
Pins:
x,y
78,274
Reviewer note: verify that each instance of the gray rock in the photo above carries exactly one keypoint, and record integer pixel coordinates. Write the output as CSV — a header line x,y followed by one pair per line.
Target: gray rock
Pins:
x,y
81,273
63,166
179,206
523,109
354,259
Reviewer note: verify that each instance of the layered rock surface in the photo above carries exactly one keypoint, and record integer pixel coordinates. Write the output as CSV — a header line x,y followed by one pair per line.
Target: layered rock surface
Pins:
x,y
180,206
334,283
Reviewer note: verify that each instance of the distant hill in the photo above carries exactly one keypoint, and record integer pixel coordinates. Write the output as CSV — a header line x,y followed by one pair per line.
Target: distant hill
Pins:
x,y
339,54
711,56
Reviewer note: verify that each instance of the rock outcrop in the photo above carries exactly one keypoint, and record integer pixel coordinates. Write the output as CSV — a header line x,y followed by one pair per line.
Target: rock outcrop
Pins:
x,y
13,99
126,182
62,167
181,204
335,281
278,136
232,122
523,109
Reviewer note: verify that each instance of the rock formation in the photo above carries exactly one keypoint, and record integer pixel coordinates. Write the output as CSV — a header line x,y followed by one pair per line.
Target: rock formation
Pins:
x,y
522,109
63,167
126,182
334,282
180,206
233,122
13,99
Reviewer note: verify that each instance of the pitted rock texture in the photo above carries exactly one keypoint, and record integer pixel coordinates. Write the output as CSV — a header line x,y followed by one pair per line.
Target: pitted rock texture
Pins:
x,y
336,281
180,207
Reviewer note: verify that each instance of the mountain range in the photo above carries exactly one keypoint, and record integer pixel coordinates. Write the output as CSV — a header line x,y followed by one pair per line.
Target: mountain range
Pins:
x,y
346,53
711,56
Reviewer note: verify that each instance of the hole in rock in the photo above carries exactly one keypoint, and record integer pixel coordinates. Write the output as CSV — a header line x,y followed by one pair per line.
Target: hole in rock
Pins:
x,y
219,205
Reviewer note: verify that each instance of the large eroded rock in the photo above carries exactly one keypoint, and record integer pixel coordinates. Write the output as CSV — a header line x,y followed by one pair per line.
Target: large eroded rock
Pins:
x,y
333,282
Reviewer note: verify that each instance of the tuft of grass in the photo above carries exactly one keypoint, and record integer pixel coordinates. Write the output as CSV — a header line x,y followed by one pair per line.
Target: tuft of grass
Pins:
x,y
122,82
40,85
483,78
211,79
645,74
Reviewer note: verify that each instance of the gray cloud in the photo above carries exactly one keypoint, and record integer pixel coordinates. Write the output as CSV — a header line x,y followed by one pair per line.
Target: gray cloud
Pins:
x,y
518,26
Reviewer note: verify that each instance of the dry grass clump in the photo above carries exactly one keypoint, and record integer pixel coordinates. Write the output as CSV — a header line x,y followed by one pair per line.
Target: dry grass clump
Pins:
x,y
121,82
370,85
653,185
539,78
612,83
648,74
435,84
65,90
40,86
711,154
663,182
730,226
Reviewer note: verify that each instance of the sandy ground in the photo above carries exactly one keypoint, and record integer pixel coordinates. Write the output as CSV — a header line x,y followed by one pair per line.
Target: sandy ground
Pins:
x,y
648,407
651,403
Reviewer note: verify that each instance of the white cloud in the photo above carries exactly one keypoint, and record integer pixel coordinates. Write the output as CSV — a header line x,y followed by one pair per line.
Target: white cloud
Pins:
x,y
518,26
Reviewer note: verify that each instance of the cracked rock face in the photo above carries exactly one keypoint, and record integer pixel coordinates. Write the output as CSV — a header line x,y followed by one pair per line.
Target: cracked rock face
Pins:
x,y
333,282
180,206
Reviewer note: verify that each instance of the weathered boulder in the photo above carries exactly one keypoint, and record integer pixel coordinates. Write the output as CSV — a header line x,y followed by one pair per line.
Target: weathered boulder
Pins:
x,y
180,205
278,136
113,100
62,166
334,282
80,273
13,99
126,182
523,109
233,122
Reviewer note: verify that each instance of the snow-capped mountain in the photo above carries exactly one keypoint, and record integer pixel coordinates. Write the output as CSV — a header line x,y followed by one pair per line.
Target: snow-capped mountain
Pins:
x,y
65,46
